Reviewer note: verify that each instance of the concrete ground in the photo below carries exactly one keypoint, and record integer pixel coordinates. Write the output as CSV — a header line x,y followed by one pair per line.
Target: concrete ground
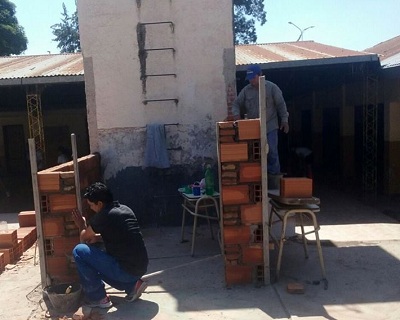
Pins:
x,y
361,248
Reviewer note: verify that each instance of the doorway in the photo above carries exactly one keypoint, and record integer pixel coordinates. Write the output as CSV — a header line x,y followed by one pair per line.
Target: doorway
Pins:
x,y
15,150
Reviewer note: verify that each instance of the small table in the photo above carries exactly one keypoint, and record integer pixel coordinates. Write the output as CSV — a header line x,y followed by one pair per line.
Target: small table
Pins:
x,y
285,207
198,207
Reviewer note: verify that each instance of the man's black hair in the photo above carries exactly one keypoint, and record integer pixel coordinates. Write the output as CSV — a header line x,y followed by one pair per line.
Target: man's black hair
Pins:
x,y
98,192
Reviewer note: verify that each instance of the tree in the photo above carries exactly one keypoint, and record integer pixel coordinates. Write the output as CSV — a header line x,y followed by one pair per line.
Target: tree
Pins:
x,y
12,36
67,32
246,12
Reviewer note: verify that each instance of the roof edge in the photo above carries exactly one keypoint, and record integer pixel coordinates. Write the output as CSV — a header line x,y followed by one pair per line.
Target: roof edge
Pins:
x,y
314,62
42,80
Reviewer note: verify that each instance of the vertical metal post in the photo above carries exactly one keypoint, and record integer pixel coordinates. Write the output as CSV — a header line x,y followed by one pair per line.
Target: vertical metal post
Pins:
x,y
35,123
264,176
45,281
76,172
370,148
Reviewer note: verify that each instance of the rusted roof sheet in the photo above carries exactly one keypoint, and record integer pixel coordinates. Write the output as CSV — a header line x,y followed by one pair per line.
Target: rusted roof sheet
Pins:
x,y
51,65
389,52
386,48
49,68
290,51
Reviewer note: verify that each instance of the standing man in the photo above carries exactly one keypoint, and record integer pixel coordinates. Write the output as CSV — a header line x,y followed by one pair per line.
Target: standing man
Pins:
x,y
124,260
247,100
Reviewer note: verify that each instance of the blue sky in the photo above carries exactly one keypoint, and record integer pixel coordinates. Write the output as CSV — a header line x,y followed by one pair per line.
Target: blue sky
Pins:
x,y
37,16
350,24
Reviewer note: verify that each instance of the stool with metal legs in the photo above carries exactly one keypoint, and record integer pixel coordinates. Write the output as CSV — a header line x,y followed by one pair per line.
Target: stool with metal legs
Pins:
x,y
196,207
283,211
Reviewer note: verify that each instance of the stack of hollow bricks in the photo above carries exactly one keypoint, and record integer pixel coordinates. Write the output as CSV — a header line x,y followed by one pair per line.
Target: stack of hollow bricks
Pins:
x,y
57,200
241,200
14,242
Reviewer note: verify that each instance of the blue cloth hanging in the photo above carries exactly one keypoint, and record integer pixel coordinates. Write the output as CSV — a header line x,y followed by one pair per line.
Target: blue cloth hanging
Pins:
x,y
156,153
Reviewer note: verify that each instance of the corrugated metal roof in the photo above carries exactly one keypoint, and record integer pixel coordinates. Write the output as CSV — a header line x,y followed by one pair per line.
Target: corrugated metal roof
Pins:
x,y
386,48
392,61
389,52
51,65
291,51
49,68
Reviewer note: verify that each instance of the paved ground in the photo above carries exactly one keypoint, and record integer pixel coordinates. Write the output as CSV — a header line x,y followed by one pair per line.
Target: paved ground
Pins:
x,y
361,248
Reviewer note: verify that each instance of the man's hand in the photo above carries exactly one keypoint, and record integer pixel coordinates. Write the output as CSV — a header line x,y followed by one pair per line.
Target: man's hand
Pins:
x,y
284,127
79,219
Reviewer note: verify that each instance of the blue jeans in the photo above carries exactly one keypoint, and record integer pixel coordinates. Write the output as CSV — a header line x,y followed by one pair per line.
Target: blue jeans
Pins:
x,y
95,267
273,165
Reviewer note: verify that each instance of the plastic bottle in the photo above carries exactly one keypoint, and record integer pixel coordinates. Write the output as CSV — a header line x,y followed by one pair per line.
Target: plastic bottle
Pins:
x,y
209,177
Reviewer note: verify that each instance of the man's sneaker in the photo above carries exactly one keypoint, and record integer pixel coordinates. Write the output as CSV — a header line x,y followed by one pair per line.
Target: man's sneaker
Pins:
x,y
137,291
103,303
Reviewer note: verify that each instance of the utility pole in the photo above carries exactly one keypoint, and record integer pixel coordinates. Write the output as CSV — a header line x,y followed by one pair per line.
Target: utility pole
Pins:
x,y
301,30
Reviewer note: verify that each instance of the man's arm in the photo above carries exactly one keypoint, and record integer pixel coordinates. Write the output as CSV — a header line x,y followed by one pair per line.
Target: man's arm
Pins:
x,y
237,104
87,234
281,109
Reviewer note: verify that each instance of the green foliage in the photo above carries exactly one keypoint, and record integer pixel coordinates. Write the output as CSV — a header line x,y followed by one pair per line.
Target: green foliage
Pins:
x,y
67,32
246,12
12,36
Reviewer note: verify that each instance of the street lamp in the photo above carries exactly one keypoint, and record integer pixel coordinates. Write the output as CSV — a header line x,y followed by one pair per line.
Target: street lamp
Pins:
x,y
301,30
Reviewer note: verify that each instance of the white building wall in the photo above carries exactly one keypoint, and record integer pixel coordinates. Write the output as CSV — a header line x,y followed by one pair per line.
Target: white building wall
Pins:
x,y
201,36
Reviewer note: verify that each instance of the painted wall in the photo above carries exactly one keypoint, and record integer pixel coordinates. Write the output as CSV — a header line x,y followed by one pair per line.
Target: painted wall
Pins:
x,y
125,44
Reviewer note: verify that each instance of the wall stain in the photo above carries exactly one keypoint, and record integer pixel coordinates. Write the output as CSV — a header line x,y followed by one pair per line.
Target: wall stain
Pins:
x,y
142,53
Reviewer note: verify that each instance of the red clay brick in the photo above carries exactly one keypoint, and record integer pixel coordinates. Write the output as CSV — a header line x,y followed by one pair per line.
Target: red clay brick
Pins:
x,y
2,262
252,255
8,238
48,181
27,219
53,227
236,235
227,139
295,287
62,202
238,274
226,124
235,194
64,245
296,188
251,214
56,266
248,129
250,172
232,152
8,255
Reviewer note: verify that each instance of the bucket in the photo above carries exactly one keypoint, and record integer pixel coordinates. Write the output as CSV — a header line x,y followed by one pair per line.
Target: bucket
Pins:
x,y
61,301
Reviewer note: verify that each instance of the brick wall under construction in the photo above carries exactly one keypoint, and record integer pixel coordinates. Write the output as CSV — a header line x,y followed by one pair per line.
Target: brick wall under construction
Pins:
x,y
239,155
58,198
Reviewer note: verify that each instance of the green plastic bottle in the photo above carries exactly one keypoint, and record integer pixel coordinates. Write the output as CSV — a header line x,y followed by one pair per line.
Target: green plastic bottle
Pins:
x,y
209,179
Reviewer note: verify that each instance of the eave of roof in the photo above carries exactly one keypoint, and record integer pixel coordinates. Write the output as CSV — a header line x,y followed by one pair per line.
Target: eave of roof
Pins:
x,y
297,54
41,69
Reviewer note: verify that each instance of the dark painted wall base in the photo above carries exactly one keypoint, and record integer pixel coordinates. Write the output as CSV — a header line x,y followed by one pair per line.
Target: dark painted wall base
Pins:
x,y
153,193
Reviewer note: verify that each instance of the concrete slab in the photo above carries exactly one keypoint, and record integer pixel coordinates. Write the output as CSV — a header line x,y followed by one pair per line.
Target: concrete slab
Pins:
x,y
361,253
